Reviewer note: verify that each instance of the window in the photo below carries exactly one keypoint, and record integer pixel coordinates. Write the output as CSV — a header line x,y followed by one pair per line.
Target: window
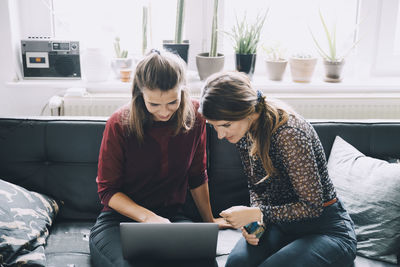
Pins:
x,y
387,57
97,22
289,23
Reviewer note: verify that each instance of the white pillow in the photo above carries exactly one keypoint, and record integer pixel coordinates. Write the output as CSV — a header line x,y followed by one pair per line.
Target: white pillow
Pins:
x,y
370,191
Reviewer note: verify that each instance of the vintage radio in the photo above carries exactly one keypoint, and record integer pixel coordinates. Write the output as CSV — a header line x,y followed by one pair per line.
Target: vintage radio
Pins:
x,y
50,59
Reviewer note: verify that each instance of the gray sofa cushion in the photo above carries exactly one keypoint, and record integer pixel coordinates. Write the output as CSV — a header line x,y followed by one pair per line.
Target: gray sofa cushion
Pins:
x,y
68,244
370,190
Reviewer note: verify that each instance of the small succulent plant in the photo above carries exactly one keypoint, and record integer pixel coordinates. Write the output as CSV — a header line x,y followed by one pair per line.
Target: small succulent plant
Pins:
x,y
274,52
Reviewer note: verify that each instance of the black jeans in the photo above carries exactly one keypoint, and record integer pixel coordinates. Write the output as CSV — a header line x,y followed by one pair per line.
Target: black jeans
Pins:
x,y
325,241
106,250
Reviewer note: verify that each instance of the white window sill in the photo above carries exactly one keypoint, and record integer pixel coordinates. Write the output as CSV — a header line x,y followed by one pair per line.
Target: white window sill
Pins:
x,y
387,85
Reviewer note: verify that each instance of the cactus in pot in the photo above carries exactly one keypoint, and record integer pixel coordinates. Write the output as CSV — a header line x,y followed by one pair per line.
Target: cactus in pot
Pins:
x,y
117,48
180,14
211,62
178,45
121,63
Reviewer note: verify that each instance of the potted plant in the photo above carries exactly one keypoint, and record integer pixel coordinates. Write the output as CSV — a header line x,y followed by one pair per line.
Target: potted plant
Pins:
x,y
121,64
211,62
302,66
333,62
245,38
275,61
178,46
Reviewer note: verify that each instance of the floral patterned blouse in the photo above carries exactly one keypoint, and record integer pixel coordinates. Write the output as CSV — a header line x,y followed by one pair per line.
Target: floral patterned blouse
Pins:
x,y
303,183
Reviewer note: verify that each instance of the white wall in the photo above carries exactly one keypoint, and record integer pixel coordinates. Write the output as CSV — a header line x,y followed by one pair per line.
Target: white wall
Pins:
x,y
6,66
20,100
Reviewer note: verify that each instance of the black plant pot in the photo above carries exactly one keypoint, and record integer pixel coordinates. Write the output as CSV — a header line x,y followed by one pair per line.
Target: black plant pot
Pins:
x,y
181,50
246,63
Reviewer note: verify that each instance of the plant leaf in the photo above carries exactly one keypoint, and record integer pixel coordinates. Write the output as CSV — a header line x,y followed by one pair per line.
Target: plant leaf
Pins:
x,y
332,47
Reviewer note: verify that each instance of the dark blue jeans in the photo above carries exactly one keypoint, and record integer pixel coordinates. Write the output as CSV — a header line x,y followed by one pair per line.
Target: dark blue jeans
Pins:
x,y
106,250
325,241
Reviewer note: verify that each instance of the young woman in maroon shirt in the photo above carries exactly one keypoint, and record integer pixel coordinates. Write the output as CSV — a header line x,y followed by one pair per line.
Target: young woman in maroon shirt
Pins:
x,y
152,150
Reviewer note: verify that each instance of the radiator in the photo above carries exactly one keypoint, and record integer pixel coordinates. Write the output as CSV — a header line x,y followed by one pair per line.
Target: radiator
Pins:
x,y
92,104
344,106
310,106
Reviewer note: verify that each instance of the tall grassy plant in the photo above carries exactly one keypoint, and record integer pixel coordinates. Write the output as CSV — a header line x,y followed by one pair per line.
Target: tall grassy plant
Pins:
x,y
246,37
330,54
214,34
180,14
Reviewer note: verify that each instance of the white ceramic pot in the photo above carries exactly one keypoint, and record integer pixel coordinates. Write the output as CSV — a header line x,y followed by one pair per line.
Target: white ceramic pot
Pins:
x,y
96,66
302,69
333,71
117,64
208,65
275,69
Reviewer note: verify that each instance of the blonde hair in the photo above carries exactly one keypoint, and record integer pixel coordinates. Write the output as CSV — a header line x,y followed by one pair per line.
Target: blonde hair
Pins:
x,y
229,96
159,71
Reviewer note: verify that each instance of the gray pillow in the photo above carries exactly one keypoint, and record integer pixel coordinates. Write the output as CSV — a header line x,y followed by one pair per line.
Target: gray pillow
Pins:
x,y
25,219
370,191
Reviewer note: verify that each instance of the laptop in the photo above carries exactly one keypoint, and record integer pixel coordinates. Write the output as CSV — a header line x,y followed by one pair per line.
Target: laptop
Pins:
x,y
169,241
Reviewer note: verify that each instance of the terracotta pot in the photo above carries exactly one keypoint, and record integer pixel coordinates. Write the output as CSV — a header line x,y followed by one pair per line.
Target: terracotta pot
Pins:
x,y
125,75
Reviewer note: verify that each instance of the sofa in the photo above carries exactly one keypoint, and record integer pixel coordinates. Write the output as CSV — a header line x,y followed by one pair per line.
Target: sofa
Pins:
x,y
57,157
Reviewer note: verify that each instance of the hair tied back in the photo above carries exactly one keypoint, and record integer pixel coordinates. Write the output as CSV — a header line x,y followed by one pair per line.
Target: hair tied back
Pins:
x,y
260,97
155,51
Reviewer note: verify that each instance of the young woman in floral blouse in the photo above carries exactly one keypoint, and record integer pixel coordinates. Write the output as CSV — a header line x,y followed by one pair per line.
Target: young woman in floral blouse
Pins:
x,y
291,193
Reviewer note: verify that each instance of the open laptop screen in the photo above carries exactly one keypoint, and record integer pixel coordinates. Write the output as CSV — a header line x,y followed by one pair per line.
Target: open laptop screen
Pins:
x,y
169,241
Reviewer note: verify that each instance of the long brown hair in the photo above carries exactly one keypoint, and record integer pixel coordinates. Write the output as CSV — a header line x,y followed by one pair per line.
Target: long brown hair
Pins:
x,y
159,71
229,96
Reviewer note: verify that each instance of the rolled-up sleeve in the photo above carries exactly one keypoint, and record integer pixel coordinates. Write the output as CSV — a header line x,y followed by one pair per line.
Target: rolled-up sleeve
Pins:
x,y
111,158
198,168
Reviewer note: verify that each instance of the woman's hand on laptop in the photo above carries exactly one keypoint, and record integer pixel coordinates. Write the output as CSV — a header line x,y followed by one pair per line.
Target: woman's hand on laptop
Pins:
x,y
222,223
156,219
